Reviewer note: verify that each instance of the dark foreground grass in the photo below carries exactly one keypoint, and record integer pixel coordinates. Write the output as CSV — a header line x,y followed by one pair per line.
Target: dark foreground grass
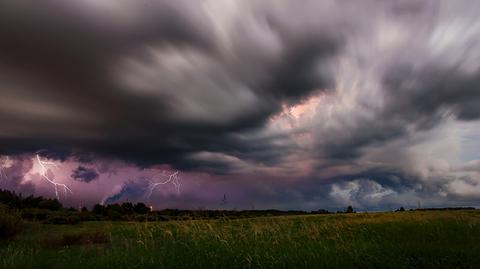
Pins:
x,y
374,240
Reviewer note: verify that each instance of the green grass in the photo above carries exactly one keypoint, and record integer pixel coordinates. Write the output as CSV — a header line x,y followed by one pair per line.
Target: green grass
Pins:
x,y
446,239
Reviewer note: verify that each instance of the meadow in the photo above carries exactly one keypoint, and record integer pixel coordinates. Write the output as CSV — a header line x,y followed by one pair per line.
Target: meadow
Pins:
x,y
410,239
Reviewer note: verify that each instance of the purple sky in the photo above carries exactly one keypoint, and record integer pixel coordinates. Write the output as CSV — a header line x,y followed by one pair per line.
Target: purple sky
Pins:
x,y
274,104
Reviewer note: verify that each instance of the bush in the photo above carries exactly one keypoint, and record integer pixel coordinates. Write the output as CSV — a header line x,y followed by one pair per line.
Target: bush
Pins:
x,y
50,204
114,215
34,214
71,219
97,237
10,223
75,239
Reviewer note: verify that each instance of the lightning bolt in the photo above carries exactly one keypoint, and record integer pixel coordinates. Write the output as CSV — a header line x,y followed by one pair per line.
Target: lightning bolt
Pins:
x,y
171,178
44,165
4,164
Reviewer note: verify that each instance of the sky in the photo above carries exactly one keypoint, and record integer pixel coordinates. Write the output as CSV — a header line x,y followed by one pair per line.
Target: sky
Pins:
x,y
256,104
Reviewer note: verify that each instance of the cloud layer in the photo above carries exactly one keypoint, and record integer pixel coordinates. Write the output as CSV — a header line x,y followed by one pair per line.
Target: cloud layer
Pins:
x,y
282,104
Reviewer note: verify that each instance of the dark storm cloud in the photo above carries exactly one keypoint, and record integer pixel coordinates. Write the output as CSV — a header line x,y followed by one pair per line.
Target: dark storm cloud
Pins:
x,y
427,78
61,88
422,95
84,174
352,102
416,100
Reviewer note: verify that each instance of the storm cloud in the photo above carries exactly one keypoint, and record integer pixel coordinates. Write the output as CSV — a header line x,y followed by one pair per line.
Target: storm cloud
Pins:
x,y
84,174
304,104
149,82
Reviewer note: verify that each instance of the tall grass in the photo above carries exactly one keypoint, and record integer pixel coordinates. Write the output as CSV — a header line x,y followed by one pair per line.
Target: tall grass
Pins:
x,y
10,223
379,240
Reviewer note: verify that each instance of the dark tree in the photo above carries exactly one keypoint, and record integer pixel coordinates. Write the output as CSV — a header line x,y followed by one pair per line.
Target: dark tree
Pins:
x,y
349,209
99,209
141,208
127,208
50,204
116,208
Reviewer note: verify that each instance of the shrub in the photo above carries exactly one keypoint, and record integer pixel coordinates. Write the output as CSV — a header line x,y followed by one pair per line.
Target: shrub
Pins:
x,y
86,238
10,223
50,204
114,215
34,214
71,219
75,239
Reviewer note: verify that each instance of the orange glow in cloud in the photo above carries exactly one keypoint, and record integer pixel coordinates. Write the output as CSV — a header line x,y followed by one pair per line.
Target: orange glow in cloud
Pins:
x,y
307,107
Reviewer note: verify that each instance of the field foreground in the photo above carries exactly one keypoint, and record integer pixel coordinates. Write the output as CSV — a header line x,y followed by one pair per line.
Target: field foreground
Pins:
x,y
430,239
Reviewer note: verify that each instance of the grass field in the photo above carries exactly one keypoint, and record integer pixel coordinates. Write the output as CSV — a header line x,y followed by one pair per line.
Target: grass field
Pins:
x,y
431,239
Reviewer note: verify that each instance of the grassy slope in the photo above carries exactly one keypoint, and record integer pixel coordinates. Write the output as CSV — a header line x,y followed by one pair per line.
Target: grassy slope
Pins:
x,y
375,240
